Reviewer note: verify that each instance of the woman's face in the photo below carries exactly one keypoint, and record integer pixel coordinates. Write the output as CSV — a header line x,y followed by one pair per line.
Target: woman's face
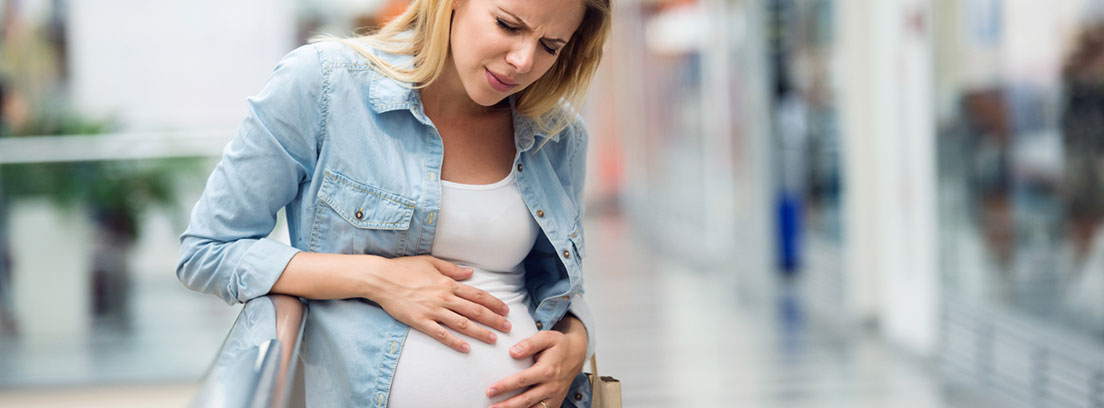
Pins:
x,y
500,47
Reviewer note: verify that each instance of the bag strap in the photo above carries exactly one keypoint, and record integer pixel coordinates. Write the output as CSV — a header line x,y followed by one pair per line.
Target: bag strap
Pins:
x,y
594,381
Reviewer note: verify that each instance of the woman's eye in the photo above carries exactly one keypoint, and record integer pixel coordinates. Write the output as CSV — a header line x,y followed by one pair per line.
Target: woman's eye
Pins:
x,y
506,27
511,29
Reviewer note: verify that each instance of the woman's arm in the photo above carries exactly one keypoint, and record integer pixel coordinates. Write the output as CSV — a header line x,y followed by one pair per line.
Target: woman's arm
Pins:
x,y
330,276
574,330
580,311
224,251
420,291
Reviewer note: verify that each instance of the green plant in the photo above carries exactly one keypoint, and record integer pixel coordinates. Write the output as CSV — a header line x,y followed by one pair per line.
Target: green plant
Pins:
x,y
116,193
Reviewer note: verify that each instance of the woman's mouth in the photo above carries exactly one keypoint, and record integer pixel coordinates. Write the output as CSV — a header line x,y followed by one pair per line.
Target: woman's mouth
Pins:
x,y
498,84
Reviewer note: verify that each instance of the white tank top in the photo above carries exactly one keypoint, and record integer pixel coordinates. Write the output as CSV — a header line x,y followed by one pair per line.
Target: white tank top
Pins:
x,y
489,228
485,226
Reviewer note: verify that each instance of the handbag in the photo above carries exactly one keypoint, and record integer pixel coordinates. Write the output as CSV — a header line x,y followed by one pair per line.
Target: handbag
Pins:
x,y
605,392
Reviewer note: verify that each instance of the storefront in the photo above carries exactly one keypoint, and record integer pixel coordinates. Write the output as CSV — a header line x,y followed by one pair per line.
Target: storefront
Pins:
x,y
694,137
1020,134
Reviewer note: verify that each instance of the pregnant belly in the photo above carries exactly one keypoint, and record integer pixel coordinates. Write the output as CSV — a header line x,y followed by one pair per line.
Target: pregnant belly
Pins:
x,y
430,374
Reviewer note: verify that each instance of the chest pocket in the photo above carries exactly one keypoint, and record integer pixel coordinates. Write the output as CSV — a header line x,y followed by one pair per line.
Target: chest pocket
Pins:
x,y
355,218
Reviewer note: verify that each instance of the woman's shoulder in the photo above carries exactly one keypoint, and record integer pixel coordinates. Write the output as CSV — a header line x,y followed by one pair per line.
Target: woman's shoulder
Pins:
x,y
574,136
333,53
571,137
332,63
577,127
354,53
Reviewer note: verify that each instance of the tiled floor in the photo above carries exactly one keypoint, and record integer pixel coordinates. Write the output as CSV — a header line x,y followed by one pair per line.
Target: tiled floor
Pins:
x,y
675,336
135,396
681,337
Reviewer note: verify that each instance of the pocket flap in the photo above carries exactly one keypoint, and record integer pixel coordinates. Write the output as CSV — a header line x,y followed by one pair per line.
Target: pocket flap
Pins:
x,y
365,206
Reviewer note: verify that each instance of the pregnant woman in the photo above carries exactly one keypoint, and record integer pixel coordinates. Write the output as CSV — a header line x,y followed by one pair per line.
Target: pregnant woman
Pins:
x,y
432,178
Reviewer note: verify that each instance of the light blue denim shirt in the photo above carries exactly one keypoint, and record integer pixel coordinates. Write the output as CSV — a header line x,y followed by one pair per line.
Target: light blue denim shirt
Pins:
x,y
352,157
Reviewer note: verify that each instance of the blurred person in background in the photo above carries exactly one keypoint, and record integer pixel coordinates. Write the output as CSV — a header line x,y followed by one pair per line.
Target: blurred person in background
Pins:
x,y
445,147
7,315
1083,185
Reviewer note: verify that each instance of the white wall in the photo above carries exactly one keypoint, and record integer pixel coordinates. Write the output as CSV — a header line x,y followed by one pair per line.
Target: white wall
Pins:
x,y
175,63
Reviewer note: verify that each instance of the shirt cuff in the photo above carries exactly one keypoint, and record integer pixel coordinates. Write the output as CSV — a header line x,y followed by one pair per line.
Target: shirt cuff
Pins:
x,y
260,267
581,310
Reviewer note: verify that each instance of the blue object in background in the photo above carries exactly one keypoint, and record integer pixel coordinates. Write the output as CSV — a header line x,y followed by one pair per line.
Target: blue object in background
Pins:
x,y
789,233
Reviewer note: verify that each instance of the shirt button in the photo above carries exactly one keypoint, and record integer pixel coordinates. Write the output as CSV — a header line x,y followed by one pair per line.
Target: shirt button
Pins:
x,y
359,214
540,325
519,166
565,297
540,213
578,396
567,254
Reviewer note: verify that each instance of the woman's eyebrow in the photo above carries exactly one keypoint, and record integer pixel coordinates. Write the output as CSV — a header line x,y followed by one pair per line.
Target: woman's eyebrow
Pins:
x,y
526,26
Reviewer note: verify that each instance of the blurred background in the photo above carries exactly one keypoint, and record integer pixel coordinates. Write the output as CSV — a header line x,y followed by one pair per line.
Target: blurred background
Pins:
x,y
791,203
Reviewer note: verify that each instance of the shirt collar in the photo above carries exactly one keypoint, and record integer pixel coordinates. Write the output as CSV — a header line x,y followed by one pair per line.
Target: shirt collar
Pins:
x,y
526,130
386,94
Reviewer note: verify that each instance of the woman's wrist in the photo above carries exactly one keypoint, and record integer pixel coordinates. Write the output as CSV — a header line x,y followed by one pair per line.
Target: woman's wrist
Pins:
x,y
365,275
573,329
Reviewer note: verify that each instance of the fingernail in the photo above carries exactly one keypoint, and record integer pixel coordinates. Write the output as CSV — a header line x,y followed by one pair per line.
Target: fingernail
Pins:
x,y
490,392
508,325
492,337
465,347
506,309
516,349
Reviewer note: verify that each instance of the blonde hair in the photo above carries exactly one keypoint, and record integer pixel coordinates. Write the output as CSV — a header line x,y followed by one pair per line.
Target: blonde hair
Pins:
x,y
422,31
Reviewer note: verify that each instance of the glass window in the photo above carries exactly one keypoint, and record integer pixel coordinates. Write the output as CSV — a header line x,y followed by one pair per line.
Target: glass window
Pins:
x,y
1020,110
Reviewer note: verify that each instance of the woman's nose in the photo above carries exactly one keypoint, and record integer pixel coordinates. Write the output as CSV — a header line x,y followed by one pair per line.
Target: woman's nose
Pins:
x,y
521,57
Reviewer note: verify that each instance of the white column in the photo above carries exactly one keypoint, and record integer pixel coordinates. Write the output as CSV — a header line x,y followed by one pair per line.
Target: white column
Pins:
x,y
51,286
889,194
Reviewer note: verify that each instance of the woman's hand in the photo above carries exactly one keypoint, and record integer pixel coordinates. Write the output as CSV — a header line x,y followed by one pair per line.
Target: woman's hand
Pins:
x,y
559,357
423,292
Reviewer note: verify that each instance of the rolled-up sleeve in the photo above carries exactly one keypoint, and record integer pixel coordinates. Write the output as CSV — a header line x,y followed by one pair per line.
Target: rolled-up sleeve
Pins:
x,y
579,306
581,310
224,250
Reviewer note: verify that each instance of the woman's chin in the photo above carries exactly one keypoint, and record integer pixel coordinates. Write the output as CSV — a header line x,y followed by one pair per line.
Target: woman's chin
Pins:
x,y
486,96
488,99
